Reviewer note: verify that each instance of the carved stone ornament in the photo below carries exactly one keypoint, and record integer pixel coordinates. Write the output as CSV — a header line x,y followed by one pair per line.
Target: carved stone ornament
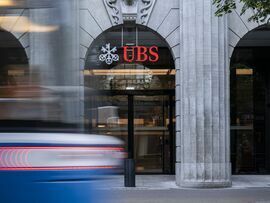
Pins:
x,y
129,2
114,11
129,10
144,11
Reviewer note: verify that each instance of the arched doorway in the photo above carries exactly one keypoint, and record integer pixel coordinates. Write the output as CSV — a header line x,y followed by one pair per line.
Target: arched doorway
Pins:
x,y
129,92
250,103
14,75
13,59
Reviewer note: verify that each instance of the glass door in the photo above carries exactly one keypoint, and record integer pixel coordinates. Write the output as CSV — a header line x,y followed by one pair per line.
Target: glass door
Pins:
x,y
153,148
145,123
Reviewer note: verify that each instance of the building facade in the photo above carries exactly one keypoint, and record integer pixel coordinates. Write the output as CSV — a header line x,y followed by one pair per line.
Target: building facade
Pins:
x,y
161,72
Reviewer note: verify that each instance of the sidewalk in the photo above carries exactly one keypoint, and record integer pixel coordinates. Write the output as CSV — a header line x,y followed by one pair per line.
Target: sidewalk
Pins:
x,y
166,182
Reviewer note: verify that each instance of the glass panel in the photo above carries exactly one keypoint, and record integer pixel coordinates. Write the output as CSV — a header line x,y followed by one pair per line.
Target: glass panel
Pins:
x,y
249,110
242,118
107,115
129,35
134,75
151,132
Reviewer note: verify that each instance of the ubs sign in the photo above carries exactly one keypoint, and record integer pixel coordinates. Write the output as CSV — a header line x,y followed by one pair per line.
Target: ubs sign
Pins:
x,y
131,54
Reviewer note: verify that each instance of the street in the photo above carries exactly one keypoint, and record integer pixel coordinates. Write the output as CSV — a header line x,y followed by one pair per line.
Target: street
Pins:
x,y
251,195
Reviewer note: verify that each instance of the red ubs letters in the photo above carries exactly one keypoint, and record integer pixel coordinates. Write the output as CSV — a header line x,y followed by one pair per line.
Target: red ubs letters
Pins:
x,y
140,54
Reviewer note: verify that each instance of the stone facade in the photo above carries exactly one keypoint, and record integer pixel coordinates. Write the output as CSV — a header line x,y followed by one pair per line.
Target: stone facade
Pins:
x,y
201,45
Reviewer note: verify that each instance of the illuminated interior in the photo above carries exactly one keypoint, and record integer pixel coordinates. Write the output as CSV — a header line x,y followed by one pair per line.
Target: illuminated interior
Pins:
x,y
113,90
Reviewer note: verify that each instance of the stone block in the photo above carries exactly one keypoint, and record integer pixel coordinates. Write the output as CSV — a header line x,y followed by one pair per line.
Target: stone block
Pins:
x,y
83,51
249,24
170,23
176,51
237,25
99,13
89,24
173,38
159,13
233,39
85,38
24,40
178,143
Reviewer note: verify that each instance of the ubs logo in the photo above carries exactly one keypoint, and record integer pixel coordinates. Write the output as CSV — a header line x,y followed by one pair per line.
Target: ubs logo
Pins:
x,y
109,55
130,54
140,54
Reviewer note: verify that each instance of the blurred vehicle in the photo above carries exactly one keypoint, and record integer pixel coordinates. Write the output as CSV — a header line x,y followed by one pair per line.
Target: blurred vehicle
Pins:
x,y
55,167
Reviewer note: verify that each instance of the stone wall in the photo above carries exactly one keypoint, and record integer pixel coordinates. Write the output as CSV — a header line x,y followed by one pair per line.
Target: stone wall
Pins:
x,y
239,26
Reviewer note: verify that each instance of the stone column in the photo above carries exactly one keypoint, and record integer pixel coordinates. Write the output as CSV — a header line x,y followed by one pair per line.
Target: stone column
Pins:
x,y
55,56
203,150
43,54
43,46
69,74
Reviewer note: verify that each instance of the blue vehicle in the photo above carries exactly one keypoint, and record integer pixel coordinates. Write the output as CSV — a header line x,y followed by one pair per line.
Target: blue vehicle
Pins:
x,y
55,167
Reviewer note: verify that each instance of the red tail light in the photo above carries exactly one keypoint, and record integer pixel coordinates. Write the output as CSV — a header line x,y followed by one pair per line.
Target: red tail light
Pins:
x,y
59,158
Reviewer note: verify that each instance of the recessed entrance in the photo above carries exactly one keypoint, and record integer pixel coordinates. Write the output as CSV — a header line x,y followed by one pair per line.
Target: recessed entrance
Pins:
x,y
14,75
133,99
250,99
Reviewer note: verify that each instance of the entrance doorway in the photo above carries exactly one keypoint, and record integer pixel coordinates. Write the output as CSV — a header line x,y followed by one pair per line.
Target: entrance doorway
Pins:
x,y
153,132
129,93
150,117
250,109
14,77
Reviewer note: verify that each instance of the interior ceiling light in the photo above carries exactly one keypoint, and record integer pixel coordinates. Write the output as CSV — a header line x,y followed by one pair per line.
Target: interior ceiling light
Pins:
x,y
130,72
244,71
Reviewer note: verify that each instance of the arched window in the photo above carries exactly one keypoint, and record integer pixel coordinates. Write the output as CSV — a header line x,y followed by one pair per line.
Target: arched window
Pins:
x,y
129,58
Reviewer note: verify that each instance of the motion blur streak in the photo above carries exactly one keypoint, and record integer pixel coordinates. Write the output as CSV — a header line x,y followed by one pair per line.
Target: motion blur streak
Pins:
x,y
47,154
25,25
57,168
59,158
7,3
